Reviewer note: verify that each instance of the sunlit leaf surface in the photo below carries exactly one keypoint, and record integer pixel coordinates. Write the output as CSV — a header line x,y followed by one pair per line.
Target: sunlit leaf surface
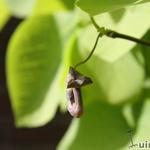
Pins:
x,y
94,7
100,124
33,60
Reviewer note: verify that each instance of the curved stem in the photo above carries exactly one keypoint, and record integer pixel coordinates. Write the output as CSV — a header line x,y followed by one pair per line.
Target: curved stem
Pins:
x,y
94,23
91,53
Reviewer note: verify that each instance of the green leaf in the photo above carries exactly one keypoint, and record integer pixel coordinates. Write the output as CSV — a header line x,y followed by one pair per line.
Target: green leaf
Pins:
x,y
70,4
94,7
101,127
21,8
33,58
5,14
143,127
119,81
141,134
133,22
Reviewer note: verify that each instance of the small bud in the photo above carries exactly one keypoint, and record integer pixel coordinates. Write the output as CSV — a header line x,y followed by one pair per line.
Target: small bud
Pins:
x,y
75,81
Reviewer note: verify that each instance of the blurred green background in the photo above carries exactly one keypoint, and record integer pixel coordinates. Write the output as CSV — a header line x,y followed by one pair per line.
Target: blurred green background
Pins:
x,y
39,40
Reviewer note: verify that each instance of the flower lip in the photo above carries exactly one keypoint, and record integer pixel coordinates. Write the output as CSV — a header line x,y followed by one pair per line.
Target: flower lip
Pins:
x,y
75,106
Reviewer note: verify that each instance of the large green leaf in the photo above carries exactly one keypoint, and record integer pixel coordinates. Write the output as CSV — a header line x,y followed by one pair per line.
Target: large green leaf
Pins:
x,y
101,127
33,59
94,7
120,80
133,22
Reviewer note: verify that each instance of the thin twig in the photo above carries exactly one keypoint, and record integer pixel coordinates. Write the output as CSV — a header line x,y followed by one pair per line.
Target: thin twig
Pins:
x,y
114,34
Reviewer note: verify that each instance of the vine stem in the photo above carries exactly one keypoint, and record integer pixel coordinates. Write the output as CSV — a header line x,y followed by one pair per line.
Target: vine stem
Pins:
x,y
114,34
91,53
